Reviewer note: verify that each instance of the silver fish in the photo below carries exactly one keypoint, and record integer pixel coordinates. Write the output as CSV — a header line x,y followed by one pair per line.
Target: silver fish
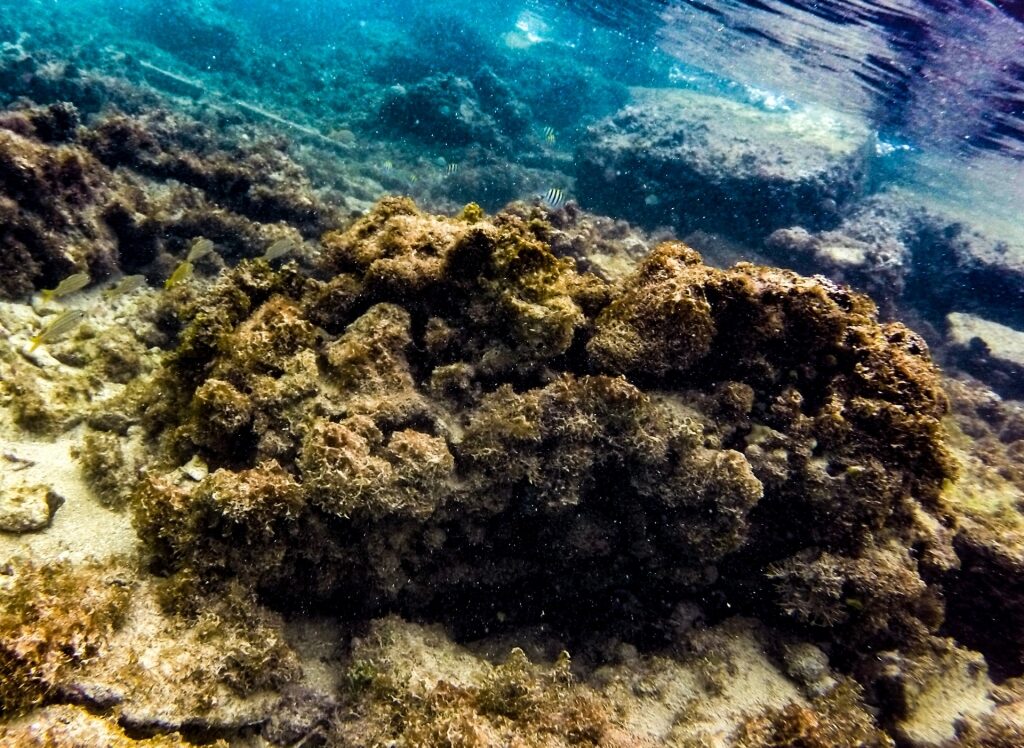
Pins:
x,y
59,325
199,250
72,283
125,286
278,249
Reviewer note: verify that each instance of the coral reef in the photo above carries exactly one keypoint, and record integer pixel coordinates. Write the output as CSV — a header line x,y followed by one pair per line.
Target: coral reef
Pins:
x,y
450,416
84,201
53,619
380,487
464,701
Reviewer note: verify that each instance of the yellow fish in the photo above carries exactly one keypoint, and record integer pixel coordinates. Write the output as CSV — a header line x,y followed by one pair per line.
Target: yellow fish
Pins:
x,y
72,283
181,273
59,325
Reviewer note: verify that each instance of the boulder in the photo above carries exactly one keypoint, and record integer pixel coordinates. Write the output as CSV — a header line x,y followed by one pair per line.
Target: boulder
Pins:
x,y
697,161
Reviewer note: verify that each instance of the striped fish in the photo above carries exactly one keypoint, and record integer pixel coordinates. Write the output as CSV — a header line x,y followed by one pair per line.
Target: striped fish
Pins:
x,y
125,286
451,169
69,285
200,248
181,274
549,134
553,198
278,249
62,323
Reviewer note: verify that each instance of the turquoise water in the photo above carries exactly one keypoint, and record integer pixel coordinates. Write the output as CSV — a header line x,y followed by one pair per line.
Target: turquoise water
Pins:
x,y
938,81
942,79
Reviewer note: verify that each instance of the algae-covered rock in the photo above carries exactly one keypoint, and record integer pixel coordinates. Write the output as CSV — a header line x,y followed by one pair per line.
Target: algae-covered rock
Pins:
x,y
66,725
699,161
411,686
79,202
988,350
449,420
26,507
54,618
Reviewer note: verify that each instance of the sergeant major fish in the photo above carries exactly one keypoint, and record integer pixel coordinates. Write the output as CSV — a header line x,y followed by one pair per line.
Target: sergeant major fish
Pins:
x,y
554,198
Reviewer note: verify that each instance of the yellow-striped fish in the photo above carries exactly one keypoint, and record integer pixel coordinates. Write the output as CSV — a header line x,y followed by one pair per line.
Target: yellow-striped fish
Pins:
x,y
125,286
549,134
451,169
56,327
200,248
278,249
387,167
553,198
69,285
181,273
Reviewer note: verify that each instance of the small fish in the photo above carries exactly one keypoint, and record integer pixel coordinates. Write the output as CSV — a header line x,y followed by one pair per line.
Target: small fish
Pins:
x,y
181,273
124,286
549,134
451,169
387,167
278,249
59,325
199,250
553,198
69,285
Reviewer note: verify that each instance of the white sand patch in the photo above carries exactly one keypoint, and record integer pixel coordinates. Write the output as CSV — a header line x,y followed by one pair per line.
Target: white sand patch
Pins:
x,y
82,528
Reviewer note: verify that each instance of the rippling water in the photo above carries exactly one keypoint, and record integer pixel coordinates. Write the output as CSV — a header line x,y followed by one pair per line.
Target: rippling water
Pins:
x,y
940,72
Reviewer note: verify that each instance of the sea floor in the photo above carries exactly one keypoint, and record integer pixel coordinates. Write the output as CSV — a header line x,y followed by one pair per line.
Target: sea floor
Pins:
x,y
534,473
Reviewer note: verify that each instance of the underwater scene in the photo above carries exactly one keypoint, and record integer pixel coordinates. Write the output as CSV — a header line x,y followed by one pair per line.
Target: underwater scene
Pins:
x,y
532,373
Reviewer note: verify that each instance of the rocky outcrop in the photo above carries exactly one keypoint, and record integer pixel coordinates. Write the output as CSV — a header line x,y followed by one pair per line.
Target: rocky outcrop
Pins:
x,y
696,161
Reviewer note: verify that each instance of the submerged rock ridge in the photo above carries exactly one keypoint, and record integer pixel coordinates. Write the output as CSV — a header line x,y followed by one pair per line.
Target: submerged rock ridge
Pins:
x,y
448,421
695,161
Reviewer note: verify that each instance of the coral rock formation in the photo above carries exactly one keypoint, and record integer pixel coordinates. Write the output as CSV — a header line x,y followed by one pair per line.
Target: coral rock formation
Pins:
x,y
447,416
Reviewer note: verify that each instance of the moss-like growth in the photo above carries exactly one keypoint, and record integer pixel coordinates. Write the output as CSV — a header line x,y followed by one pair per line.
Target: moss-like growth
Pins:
x,y
106,467
53,617
661,322
516,703
450,417
838,719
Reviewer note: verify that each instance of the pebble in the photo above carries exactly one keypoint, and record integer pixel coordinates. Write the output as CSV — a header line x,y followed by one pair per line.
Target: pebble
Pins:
x,y
27,507
195,468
